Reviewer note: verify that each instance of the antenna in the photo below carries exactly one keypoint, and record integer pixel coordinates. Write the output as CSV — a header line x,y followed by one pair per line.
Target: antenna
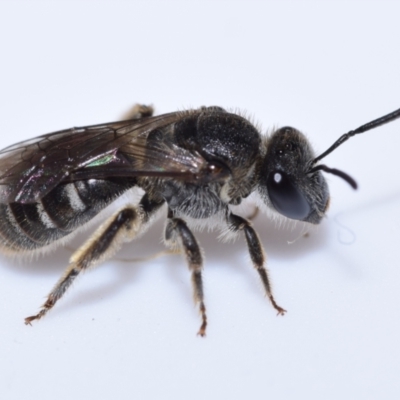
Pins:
x,y
363,128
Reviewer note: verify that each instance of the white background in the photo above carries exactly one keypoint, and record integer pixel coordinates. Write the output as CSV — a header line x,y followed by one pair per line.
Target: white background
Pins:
x,y
128,331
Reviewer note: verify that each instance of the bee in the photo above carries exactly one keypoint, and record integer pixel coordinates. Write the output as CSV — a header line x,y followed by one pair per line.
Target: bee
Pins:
x,y
197,163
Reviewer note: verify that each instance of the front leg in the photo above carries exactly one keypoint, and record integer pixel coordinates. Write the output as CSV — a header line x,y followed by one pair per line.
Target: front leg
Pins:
x,y
178,233
257,255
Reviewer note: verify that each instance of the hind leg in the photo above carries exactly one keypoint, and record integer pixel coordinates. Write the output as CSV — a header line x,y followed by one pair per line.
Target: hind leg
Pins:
x,y
122,227
138,111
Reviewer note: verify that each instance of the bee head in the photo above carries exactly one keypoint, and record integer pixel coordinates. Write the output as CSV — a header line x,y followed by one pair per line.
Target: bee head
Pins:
x,y
286,182
290,179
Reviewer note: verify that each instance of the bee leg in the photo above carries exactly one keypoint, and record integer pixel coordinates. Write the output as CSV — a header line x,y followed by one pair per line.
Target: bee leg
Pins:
x,y
178,233
122,227
257,254
138,111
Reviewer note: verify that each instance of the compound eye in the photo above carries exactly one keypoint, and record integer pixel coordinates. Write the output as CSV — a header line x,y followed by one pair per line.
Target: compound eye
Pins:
x,y
287,199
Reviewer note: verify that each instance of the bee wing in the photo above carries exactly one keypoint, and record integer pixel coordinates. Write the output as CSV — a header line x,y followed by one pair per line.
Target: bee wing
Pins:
x,y
31,169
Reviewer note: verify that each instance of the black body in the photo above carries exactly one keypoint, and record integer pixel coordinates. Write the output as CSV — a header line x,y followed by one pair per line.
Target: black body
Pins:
x,y
245,162
198,163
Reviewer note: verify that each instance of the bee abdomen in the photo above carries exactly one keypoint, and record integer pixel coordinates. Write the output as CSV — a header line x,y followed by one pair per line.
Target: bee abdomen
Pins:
x,y
67,207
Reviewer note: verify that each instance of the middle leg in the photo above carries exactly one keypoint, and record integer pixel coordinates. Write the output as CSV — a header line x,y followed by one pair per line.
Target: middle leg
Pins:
x,y
178,233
